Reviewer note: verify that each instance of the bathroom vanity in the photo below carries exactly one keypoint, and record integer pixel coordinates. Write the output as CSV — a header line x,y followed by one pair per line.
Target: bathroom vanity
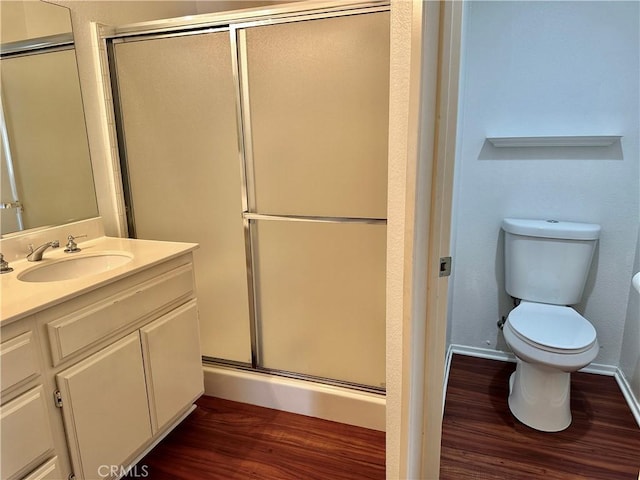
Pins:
x,y
96,368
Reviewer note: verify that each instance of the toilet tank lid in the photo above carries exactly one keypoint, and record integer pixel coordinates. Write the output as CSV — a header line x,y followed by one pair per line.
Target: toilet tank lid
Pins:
x,y
551,229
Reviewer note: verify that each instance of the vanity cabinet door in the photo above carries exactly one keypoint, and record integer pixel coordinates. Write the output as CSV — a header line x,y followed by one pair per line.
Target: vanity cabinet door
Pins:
x,y
25,433
105,409
171,350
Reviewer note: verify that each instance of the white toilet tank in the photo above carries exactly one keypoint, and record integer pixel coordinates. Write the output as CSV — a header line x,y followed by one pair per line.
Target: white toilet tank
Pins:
x,y
548,261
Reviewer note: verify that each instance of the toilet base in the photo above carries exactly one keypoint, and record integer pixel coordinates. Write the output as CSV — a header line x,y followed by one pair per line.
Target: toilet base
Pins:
x,y
539,396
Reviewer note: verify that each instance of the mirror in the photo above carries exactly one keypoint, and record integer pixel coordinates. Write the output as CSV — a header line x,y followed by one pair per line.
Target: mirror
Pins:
x,y
46,176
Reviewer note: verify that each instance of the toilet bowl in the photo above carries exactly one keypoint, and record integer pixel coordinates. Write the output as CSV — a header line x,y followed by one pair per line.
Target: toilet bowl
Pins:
x,y
550,342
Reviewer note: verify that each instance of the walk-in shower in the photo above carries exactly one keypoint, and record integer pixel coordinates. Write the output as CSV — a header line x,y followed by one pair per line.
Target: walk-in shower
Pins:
x,y
265,141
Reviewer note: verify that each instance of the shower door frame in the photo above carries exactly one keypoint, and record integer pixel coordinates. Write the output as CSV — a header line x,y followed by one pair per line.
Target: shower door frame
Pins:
x,y
236,28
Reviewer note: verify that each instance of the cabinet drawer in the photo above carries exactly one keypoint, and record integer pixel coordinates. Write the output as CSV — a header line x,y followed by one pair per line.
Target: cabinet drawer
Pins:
x,y
25,433
80,329
50,470
18,360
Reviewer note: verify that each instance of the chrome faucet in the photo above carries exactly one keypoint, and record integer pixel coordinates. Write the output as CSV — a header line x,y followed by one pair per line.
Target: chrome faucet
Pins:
x,y
72,246
36,255
4,265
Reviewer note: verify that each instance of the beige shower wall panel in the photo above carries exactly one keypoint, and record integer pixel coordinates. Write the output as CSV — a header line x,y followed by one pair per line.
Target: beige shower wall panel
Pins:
x,y
179,116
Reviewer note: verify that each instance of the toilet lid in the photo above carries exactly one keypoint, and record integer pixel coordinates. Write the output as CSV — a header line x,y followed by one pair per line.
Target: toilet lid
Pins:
x,y
552,326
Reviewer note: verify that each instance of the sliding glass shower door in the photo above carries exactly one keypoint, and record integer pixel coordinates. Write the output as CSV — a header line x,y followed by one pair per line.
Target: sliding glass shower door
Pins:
x,y
316,136
179,134
267,144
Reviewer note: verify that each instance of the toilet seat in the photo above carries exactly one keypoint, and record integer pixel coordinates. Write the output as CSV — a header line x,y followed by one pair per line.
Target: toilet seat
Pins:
x,y
552,328
549,342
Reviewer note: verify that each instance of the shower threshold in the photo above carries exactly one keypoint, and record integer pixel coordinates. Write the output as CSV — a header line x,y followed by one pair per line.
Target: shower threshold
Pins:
x,y
334,400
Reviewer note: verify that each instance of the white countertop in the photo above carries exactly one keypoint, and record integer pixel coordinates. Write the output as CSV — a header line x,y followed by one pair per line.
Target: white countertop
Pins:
x,y
19,299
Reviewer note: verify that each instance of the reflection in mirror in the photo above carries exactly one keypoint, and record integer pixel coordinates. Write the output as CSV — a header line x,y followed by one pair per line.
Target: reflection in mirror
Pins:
x,y
46,176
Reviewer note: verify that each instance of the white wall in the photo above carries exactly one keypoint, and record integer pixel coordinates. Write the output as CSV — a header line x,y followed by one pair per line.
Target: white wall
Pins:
x,y
22,20
630,356
546,68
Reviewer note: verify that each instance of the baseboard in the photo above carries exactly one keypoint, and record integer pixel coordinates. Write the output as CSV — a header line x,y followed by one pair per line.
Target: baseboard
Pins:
x,y
483,353
627,392
600,369
447,362
447,370
347,406
329,402
595,368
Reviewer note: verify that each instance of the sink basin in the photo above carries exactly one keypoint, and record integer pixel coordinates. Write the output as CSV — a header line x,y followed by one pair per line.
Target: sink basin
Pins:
x,y
75,267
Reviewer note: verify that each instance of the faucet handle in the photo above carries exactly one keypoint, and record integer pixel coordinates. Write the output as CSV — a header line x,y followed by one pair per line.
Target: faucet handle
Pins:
x,y
4,265
72,246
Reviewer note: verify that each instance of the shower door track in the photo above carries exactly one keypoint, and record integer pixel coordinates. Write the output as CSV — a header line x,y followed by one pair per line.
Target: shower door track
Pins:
x,y
234,365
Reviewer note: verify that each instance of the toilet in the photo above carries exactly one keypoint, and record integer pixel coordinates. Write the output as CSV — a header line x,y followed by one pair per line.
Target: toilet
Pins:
x,y
546,266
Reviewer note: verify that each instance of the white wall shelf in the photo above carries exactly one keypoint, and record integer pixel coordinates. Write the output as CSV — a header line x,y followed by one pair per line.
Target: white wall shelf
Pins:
x,y
557,141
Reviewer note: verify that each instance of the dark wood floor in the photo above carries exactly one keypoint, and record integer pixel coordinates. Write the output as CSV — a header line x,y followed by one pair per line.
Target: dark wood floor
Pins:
x,y
482,441
228,440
